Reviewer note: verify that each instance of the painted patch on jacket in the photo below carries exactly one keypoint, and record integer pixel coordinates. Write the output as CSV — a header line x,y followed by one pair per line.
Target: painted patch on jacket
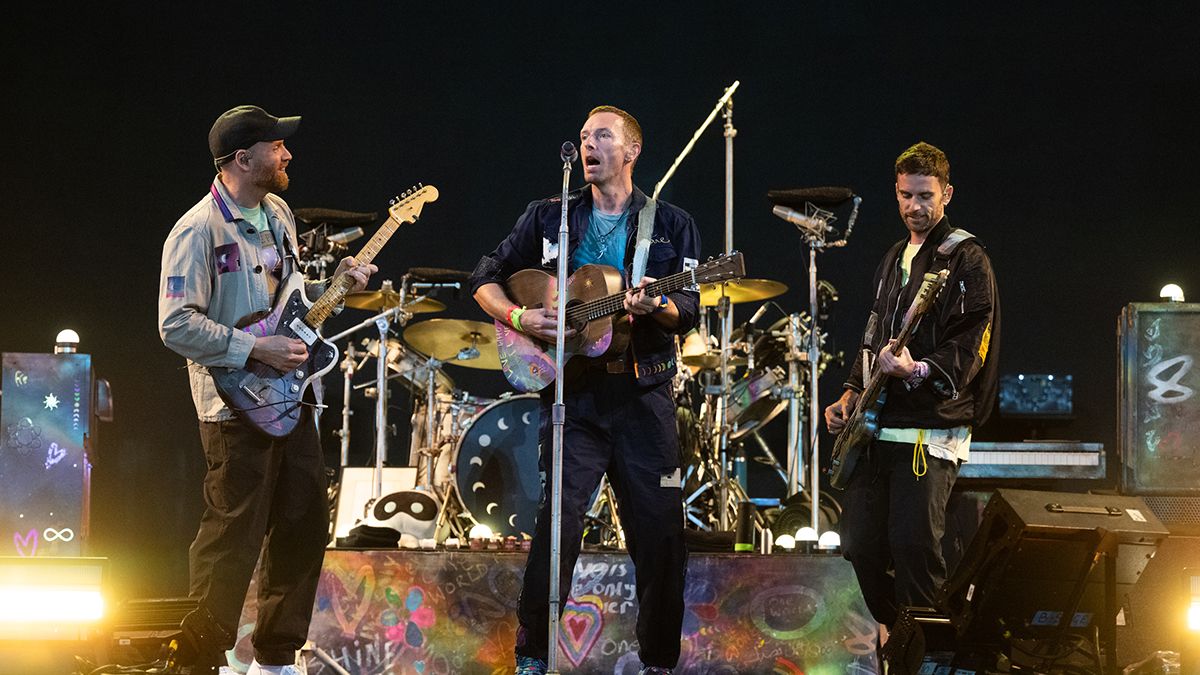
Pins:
x,y
174,287
228,258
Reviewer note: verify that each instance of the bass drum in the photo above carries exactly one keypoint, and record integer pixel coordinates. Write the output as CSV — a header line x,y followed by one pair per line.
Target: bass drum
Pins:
x,y
496,465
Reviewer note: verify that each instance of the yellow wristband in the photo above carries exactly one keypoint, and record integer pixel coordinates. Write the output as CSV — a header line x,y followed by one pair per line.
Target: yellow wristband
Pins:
x,y
514,317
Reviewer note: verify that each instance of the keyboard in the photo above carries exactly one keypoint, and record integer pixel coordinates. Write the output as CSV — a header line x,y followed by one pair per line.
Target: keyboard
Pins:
x,y
1035,460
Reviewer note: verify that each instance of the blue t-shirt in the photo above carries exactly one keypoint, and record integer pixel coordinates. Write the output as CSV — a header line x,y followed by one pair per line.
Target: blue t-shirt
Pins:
x,y
604,241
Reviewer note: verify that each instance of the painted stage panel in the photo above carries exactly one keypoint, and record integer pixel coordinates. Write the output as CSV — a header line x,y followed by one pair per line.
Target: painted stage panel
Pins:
x,y
455,612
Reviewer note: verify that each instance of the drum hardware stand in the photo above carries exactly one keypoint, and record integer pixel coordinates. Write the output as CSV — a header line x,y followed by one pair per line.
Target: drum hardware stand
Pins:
x,y
382,323
612,535
349,368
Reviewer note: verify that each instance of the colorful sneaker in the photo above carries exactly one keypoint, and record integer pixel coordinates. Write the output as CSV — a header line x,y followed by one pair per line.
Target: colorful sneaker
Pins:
x,y
527,665
654,670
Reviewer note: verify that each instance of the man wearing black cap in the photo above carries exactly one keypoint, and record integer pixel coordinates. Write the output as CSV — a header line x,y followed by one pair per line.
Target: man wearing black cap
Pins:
x,y
221,267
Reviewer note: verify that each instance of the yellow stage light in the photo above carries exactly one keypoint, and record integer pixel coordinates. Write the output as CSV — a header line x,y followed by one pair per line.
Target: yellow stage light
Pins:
x,y
50,598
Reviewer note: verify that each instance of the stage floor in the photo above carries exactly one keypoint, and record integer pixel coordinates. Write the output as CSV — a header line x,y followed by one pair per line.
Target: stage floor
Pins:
x,y
388,611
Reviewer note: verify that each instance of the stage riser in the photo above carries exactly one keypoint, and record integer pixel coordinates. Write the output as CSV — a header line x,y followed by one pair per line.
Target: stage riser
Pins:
x,y
455,612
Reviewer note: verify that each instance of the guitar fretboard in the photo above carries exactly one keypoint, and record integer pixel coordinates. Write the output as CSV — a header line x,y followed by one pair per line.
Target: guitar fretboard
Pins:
x,y
611,304
333,296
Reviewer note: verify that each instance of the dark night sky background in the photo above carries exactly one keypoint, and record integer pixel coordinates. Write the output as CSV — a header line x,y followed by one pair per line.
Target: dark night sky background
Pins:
x,y
1070,128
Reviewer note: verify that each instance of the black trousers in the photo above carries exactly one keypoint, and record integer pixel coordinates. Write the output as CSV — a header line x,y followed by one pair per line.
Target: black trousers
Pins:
x,y
614,427
892,526
267,495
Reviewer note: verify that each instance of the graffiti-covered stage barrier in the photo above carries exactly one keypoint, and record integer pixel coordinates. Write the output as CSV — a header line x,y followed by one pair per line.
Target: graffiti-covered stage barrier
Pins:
x,y
455,612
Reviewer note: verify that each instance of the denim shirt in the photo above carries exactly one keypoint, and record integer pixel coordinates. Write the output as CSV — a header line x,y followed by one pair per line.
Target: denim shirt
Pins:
x,y
533,243
214,283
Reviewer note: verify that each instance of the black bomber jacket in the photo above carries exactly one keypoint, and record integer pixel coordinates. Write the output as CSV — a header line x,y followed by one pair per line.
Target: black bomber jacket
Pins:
x,y
959,338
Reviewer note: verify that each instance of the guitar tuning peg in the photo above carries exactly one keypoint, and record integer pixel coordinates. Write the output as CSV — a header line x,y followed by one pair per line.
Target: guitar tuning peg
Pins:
x,y
393,200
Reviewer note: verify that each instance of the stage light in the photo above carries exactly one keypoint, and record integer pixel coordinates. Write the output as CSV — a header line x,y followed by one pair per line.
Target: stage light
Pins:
x,y
806,539
829,542
1192,586
66,342
480,531
786,542
1171,293
50,598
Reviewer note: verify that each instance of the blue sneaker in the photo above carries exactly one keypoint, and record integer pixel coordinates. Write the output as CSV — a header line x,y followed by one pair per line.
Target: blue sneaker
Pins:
x,y
654,670
527,665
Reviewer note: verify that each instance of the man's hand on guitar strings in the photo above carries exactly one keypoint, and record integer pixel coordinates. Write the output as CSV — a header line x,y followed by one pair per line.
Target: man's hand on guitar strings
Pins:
x,y
542,323
839,411
360,274
897,365
279,351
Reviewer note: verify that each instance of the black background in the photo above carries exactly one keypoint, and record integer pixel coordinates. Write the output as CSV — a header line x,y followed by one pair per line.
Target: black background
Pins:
x,y
1070,129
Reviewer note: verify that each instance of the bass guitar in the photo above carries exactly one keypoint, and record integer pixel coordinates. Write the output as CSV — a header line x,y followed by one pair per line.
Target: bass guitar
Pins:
x,y
863,424
595,308
269,399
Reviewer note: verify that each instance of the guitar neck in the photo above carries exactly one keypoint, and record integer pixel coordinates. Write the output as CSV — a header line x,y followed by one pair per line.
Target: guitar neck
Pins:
x,y
611,304
875,384
341,284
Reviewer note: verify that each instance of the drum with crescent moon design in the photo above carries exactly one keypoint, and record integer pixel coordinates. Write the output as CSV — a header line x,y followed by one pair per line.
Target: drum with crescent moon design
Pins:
x,y
496,465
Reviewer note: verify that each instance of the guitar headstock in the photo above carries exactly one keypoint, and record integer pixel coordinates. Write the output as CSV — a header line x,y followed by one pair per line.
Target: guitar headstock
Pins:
x,y
406,207
931,285
731,266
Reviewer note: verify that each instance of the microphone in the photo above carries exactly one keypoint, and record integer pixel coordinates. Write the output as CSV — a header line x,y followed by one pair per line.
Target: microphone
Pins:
x,y
568,153
757,315
815,226
345,236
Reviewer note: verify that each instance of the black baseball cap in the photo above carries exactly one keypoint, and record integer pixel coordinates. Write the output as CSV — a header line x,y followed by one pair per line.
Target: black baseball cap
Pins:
x,y
245,125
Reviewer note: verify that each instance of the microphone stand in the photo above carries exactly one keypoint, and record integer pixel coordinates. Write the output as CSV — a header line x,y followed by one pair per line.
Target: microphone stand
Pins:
x,y
724,308
558,416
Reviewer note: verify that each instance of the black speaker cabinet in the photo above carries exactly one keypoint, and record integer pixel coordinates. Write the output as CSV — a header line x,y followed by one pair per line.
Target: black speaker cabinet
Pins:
x,y
1036,566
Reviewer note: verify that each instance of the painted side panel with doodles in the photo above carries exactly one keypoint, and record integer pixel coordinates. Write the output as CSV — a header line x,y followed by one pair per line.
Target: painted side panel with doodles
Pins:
x,y
455,612
44,417
1160,343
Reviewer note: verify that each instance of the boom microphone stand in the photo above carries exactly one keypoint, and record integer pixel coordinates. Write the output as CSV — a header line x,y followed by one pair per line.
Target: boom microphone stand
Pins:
x,y
724,308
559,415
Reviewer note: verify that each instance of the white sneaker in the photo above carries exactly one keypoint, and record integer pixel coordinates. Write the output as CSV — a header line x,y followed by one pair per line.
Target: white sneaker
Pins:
x,y
257,668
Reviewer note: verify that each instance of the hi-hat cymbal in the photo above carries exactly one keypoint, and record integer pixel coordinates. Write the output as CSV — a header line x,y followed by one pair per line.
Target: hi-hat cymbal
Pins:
x,y
711,361
377,301
447,339
740,290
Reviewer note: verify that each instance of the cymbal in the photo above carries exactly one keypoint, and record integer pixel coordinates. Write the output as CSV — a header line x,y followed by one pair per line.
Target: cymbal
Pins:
x,y
740,290
377,301
444,339
711,361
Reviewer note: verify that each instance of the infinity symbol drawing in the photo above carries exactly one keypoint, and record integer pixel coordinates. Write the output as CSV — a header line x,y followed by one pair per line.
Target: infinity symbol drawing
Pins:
x,y
65,534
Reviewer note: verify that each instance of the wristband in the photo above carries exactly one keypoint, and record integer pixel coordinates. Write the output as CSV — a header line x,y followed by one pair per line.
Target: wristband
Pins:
x,y
514,317
918,375
663,302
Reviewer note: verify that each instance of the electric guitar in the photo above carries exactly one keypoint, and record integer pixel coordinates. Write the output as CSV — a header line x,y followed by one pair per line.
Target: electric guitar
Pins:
x,y
269,399
863,425
594,294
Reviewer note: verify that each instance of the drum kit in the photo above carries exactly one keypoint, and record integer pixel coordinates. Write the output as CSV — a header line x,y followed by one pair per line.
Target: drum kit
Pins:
x,y
764,367
478,456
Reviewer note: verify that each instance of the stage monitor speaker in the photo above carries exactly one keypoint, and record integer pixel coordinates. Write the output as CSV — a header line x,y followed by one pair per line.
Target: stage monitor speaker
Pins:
x,y
1036,568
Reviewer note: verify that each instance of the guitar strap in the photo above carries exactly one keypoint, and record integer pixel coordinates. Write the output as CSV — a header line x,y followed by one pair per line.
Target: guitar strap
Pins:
x,y
941,258
641,253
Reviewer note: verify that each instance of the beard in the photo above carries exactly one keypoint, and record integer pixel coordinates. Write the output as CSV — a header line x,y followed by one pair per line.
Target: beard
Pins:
x,y
270,180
